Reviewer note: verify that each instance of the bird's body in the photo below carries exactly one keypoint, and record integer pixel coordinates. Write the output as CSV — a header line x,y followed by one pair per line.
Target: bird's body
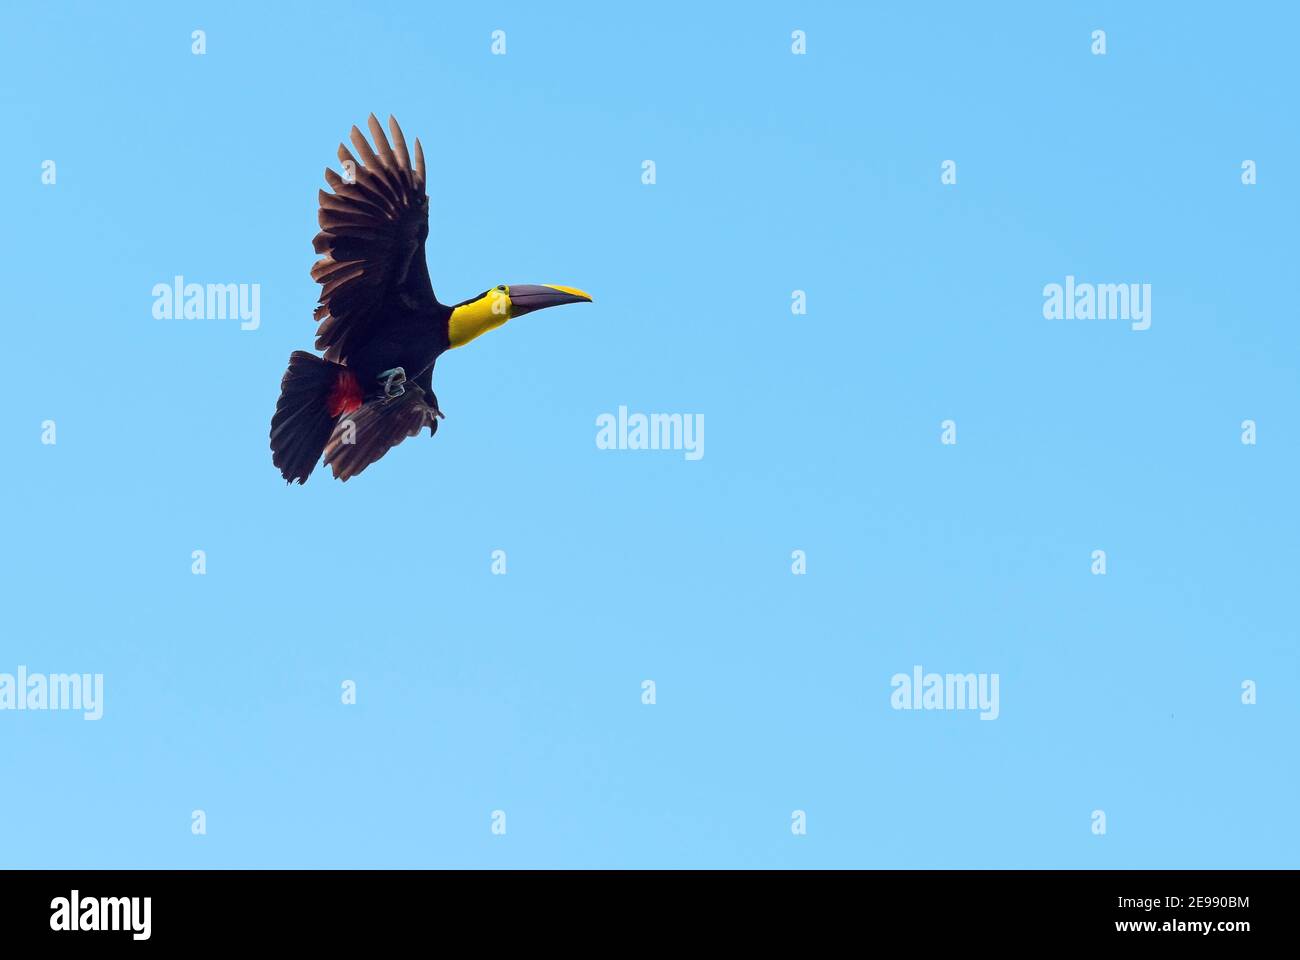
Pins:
x,y
381,327
413,341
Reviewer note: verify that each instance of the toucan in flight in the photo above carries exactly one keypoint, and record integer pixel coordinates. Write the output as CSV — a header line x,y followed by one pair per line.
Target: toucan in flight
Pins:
x,y
381,327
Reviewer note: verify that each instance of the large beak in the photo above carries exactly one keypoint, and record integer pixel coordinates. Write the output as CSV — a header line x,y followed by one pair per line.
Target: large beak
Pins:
x,y
527,297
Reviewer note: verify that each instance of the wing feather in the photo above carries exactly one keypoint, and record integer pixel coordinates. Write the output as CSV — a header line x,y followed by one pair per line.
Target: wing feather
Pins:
x,y
403,155
372,228
374,428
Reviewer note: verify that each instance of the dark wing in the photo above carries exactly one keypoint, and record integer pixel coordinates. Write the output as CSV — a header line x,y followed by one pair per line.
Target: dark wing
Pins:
x,y
373,228
363,436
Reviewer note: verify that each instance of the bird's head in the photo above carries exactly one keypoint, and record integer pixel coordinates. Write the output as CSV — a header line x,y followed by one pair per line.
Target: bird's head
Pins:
x,y
494,307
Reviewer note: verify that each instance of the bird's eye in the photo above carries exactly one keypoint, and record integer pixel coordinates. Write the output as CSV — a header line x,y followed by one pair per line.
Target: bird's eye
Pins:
x,y
502,288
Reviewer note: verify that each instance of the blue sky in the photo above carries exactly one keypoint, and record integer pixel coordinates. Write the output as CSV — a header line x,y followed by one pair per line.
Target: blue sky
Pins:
x,y
522,692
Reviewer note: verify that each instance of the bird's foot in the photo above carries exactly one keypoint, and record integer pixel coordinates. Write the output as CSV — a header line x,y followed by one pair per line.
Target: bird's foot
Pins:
x,y
394,382
434,415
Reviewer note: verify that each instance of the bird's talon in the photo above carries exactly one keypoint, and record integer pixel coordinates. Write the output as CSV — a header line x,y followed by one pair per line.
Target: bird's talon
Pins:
x,y
394,381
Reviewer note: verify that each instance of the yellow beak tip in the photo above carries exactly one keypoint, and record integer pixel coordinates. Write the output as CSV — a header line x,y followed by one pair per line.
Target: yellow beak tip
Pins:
x,y
572,291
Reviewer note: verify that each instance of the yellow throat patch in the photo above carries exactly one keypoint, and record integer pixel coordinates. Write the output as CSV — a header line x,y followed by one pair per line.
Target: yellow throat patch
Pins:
x,y
477,317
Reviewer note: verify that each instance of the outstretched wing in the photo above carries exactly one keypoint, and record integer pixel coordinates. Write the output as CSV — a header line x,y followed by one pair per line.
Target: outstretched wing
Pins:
x,y
363,436
373,228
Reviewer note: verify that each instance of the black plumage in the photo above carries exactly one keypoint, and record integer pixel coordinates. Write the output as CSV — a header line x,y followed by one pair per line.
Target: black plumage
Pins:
x,y
380,326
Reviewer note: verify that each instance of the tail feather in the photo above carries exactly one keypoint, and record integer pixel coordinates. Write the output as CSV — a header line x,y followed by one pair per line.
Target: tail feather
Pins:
x,y
305,413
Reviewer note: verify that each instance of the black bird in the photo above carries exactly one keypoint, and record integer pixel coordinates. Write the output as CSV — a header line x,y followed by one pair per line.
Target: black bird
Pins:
x,y
381,327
